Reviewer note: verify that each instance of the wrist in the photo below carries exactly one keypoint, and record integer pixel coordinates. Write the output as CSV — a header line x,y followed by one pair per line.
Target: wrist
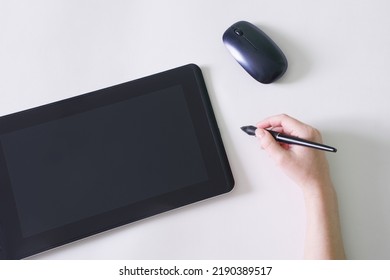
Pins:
x,y
323,190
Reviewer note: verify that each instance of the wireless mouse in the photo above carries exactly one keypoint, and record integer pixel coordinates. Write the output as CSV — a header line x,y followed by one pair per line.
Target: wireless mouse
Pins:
x,y
255,52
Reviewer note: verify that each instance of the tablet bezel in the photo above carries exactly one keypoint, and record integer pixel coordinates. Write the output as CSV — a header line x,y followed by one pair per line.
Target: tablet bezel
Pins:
x,y
220,179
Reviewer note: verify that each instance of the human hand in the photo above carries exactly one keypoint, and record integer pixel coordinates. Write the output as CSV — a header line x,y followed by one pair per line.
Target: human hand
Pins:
x,y
307,167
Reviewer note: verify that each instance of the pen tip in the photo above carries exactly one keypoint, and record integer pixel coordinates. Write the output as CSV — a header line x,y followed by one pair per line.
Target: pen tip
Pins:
x,y
250,129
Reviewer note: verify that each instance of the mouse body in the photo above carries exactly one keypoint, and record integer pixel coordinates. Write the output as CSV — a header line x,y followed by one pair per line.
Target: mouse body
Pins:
x,y
255,52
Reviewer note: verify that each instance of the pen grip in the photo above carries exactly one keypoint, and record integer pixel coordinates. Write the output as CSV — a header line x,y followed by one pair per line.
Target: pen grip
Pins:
x,y
284,138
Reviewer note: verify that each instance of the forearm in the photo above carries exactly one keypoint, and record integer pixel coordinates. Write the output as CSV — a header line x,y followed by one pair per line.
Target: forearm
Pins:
x,y
309,169
323,234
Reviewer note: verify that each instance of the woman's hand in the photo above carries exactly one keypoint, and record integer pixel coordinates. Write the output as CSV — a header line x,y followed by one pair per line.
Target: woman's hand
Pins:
x,y
309,169
305,166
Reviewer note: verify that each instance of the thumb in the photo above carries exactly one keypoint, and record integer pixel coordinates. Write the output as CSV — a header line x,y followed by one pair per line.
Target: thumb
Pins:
x,y
269,144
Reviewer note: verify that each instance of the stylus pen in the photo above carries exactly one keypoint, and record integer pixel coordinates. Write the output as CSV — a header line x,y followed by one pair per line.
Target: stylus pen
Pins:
x,y
283,138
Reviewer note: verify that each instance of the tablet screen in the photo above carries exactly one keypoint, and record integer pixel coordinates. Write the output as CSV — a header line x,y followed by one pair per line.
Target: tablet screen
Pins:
x,y
72,168
93,162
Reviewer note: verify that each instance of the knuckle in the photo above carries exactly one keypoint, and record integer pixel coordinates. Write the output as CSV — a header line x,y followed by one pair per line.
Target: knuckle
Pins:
x,y
284,116
315,134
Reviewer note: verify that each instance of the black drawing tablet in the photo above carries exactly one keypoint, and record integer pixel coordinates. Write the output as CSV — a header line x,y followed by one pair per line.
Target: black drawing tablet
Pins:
x,y
90,163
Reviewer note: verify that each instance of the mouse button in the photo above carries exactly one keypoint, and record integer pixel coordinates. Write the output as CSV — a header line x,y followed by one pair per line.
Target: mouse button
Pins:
x,y
258,38
267,47
230,38
239,50
238,31
264,43
248,28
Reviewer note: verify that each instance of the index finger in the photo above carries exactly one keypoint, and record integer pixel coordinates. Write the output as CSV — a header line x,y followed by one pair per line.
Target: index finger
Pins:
x,y
289,124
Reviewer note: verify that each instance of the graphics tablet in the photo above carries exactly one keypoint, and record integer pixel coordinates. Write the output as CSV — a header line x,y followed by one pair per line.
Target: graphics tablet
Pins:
x,y
83,165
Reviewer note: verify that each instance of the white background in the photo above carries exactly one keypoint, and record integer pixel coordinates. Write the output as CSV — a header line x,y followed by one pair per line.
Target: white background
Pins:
x,y
337,81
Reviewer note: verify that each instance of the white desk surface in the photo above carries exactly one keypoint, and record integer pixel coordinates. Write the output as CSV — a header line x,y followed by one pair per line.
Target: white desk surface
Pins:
x,y
337,81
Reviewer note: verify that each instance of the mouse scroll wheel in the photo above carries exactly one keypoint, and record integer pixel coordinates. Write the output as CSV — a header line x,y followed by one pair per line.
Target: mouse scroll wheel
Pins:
x,y
238,32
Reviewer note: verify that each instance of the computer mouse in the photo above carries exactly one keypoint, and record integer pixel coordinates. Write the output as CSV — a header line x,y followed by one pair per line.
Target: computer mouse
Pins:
x,y
255,52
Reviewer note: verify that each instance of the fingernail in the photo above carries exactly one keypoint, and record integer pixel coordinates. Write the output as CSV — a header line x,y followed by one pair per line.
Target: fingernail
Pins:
x,y
260,132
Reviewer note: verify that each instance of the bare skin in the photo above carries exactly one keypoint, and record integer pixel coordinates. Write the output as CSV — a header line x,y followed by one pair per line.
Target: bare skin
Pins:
x,y
309,169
